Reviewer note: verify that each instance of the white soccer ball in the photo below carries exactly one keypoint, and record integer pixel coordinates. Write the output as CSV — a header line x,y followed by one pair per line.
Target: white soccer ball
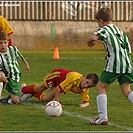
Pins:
x,y
53,108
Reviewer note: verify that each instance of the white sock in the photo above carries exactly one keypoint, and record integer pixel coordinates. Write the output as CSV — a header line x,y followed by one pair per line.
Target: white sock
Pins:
x,y
102,105
130,96
1,87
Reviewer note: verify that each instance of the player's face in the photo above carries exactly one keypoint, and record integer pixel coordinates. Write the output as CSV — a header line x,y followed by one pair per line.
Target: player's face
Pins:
x,y
86,83
3,46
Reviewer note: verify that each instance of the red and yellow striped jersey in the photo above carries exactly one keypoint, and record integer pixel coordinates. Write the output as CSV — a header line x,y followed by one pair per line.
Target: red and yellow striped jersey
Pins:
x,y
66,80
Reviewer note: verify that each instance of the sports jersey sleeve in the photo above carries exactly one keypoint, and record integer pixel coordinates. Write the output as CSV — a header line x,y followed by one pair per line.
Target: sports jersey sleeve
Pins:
x,y
102,33
127,43
84,95
17,53
5,27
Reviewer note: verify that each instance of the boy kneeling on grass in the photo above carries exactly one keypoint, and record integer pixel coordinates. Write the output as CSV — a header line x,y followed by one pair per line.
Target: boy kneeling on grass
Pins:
x,y
10,72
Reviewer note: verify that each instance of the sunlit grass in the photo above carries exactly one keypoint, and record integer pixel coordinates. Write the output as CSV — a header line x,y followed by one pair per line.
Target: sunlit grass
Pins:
x,y
24,117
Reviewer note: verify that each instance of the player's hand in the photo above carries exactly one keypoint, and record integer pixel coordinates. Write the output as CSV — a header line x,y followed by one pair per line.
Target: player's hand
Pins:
x,y
90,44
3,78
27,67
84,105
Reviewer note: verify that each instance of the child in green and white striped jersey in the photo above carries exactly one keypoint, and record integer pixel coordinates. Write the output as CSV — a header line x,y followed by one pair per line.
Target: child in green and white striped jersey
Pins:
x,y
119,64
10,73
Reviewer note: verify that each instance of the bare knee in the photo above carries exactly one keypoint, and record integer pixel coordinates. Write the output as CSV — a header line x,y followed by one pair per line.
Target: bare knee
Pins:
x,y
126,93
102,87
125,89
14,99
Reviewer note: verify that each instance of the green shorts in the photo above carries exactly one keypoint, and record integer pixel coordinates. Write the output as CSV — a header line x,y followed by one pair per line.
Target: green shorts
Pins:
x,y
108,77
13,87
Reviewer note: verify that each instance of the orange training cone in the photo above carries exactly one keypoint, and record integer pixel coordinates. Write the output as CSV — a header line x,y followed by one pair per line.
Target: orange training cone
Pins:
x,y
56,53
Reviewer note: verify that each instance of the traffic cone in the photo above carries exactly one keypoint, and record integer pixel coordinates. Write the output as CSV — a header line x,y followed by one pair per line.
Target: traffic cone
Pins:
x,y
56,53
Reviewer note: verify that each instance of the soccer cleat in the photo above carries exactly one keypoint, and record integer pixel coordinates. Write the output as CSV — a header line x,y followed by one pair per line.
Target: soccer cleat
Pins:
x,y
99,121
25,97
9,101
5,100
21,93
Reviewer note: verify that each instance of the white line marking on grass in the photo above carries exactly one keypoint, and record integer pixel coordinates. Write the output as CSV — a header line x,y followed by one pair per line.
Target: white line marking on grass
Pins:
x,y
78,116
87,118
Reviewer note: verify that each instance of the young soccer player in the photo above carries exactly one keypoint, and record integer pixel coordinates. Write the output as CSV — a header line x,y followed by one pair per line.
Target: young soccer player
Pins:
x,y
119,64
10,72
61,80
5,27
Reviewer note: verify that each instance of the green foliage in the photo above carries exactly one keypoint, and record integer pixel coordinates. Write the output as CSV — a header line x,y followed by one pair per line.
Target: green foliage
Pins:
x,y
30,116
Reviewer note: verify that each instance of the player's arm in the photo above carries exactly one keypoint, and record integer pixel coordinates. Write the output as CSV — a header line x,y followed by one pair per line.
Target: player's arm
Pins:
x,y
91,40
85,104
3,78
64,86
57,94
27,67
85,98
20,56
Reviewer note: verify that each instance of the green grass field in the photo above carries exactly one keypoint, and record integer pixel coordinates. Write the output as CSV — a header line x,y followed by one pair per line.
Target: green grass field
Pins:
x,y
30,116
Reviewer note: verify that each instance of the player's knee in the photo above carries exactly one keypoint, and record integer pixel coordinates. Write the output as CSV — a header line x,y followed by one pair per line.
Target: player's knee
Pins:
x,y
126,93
13,101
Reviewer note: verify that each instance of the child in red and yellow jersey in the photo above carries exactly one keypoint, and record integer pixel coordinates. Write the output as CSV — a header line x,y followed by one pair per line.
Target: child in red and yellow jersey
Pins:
x,y
61,80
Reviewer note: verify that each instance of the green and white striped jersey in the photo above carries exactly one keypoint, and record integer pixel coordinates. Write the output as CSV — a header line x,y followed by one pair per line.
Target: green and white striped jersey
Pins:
x,y
9,64
118,49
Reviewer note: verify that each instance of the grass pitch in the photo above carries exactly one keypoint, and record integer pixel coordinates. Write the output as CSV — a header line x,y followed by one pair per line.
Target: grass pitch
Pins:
x,y
30,116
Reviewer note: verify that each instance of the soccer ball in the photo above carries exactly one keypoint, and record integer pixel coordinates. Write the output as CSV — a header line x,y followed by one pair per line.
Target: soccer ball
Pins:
x,y
53,108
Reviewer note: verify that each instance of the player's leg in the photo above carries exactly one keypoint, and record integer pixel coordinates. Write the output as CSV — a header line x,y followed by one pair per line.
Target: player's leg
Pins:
x,y
124,81
13,88
101,104
14,99
50,95
33,88
126,91
27,92
106,79
5,99
1,87
39,95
